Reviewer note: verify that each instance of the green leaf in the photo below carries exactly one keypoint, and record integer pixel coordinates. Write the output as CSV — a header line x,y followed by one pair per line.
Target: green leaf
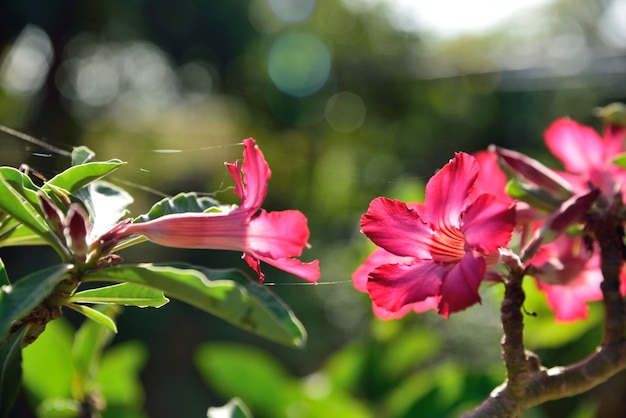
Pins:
x,y
243,303
123,294
89,342
620,160
10,370
78,176
16,234
94,315
22,203
59,408
4,277
536,197
20,298
222,365
82,155
181,203
21,183
48,366
235,408
119,374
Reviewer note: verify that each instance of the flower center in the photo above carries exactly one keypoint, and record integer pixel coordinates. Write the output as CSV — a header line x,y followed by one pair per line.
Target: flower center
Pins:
x,y
447,245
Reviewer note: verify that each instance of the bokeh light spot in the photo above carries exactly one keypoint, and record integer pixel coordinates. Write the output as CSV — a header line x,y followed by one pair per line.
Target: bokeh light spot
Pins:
x,y
299,64
26,66
345,112
292,11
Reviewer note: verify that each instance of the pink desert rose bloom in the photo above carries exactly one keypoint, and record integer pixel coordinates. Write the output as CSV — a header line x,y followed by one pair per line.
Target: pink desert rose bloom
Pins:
x,y
587,157
447,244
378,257
569,275
276,238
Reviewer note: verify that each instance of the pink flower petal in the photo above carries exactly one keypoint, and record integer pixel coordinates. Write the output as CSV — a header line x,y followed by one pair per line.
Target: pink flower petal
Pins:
x,y
579,147
308,271
491,178
256,173
448,190
392,286
459,289
488,223
427,304
278,234
378,257
569,302
390,224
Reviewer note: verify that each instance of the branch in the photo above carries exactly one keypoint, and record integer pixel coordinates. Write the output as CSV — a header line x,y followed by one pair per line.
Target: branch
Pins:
x,y
528,383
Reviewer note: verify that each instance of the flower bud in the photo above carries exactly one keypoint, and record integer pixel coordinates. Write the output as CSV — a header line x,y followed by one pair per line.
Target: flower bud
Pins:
x,y
76,230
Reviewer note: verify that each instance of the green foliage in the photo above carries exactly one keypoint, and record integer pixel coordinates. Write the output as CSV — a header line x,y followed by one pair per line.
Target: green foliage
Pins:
x,y
227,294
95,316
181,203
18,198
79,176
127,294
89,343
4,278
79,367
24,295
620,160
10,370
268,387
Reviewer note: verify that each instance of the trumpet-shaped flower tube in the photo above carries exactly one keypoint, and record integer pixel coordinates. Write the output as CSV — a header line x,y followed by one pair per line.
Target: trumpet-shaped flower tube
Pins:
x,y
276,238
446,245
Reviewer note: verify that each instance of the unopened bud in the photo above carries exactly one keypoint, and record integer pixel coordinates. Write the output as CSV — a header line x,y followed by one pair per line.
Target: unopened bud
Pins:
x,y
76,229
54,216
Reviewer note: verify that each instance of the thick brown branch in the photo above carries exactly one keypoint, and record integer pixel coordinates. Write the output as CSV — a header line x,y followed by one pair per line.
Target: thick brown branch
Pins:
x,y
607,234
513,352
555,383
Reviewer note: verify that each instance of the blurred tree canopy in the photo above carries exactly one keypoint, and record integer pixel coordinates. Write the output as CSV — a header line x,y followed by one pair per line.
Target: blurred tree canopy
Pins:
x,y
347,105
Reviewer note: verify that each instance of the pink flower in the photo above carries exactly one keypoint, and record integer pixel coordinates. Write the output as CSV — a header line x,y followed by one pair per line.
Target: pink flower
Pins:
x,y
447,244
569,275
587,157
276,238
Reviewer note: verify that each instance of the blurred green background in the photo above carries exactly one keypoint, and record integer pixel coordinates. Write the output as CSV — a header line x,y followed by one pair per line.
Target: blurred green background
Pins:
x,y
348,100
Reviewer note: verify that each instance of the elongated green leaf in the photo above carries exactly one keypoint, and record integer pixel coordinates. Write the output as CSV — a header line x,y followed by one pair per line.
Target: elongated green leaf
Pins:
x,y
4,277
89,343
537,198
10,370
122,294
227,294
79,176
19,204
235,408
181,203
95,315
21,183
19,235
20,298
